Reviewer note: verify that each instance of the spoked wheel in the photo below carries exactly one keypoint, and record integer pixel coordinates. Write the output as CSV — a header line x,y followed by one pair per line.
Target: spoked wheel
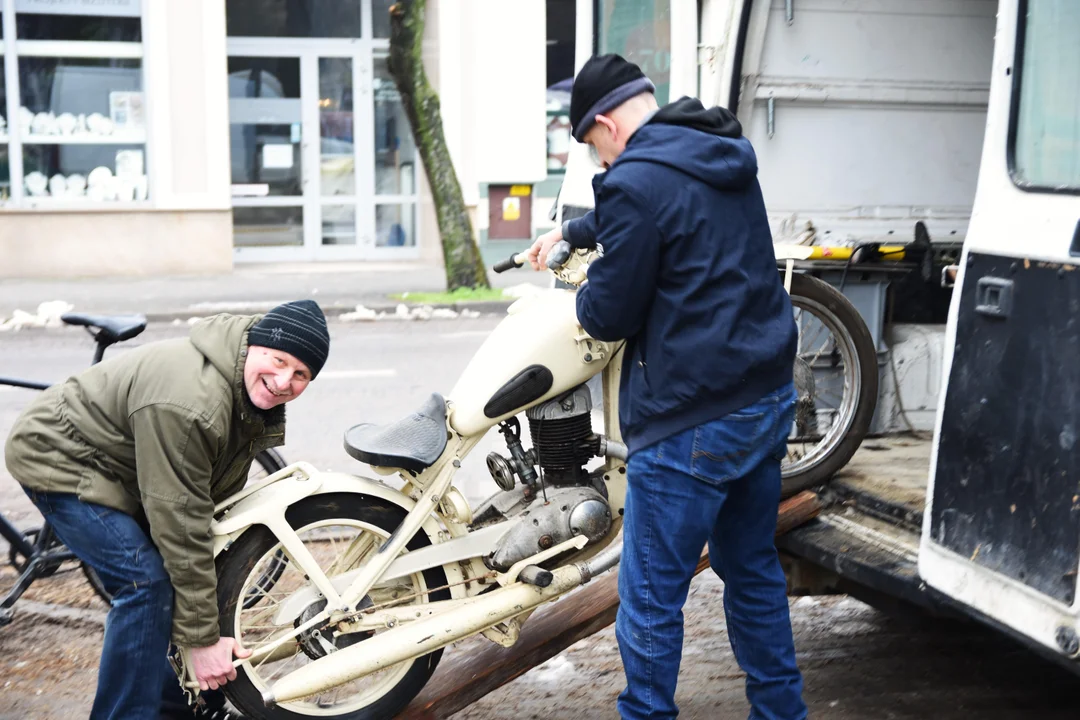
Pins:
x,y
836,379
341,531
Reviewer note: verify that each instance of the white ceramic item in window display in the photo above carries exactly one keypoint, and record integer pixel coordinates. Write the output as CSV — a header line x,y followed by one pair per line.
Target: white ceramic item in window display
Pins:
x,y
36,183
125,189
76,185
66,123
96,193
80,124
98,124
26,119
58,185
142,188
98,176
112,188
44,124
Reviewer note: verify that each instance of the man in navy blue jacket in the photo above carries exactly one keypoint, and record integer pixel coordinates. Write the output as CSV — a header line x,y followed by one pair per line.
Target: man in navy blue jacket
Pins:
x,y
689,278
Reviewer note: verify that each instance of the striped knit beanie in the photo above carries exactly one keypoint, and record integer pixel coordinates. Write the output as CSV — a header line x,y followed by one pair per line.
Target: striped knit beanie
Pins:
x,y
298,328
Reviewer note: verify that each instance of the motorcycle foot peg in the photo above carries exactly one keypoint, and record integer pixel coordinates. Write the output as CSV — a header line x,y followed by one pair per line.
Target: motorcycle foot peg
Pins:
x,y
536,575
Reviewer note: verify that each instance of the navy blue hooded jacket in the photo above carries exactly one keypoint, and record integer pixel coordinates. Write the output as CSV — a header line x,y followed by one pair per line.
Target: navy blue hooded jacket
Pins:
x,y
688,274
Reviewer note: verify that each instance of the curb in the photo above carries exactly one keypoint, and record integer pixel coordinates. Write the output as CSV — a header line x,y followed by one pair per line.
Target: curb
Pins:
x,y
333,311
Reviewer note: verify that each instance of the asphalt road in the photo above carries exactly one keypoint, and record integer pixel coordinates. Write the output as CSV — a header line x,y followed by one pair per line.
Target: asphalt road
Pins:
x,y
858,663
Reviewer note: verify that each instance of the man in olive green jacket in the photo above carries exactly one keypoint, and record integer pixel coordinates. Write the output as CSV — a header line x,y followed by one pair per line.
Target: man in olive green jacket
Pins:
x,y
126,461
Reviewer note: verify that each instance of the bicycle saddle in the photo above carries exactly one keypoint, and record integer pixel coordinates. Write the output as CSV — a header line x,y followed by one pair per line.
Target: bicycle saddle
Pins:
x,y
115,328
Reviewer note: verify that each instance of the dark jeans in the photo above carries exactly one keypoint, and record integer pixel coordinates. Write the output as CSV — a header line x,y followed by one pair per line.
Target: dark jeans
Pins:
x,y
717,483
135,680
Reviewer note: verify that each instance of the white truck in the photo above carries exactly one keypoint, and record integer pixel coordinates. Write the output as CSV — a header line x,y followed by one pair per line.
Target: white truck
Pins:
x,y
876,121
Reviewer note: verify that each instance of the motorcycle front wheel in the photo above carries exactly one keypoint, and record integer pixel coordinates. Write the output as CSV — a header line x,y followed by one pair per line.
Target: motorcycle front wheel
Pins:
x,y
836,379
341,531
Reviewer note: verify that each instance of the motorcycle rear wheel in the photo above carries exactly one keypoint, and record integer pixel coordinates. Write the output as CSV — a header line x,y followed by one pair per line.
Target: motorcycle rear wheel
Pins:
x,y
836,378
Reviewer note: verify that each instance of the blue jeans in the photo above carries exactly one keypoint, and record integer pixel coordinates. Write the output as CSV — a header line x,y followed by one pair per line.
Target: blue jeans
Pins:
x,y
134,678
717,483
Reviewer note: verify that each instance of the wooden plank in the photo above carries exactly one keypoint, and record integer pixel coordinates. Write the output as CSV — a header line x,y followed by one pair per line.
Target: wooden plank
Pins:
x,y
463,679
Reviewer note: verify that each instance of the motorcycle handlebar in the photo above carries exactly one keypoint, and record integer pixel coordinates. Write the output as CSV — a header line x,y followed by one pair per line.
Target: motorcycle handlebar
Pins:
x,y
558,256
510,263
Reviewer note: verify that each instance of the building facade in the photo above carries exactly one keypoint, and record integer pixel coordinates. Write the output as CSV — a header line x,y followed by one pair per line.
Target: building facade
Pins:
x,y
150,137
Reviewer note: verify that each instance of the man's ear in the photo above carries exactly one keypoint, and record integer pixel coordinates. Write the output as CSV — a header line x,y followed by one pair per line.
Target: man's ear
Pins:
x,y
606,122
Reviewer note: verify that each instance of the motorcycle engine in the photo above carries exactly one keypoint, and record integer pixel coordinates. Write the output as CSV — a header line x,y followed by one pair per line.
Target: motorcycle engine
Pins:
x,y
562,437
565,500
567,513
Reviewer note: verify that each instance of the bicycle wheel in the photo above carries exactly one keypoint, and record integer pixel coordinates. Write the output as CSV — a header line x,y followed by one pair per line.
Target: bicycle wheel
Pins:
x,y
266,463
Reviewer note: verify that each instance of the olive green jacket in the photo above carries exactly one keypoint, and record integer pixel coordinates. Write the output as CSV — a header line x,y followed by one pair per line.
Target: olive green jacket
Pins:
x,y
161,432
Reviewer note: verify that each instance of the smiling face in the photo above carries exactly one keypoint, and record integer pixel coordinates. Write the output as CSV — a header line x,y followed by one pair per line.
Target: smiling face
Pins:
x,y
273,377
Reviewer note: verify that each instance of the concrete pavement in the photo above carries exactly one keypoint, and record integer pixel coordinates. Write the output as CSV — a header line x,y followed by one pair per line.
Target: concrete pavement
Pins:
x,y
337,287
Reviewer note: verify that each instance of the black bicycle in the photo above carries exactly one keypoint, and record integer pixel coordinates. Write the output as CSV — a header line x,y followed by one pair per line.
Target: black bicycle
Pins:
x,y
38,553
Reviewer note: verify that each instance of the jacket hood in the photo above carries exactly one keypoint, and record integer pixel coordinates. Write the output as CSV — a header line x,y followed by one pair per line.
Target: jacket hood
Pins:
x,y
706,144
223,340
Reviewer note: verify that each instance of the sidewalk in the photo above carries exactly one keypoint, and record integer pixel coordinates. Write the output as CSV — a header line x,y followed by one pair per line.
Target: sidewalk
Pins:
x,y
337,287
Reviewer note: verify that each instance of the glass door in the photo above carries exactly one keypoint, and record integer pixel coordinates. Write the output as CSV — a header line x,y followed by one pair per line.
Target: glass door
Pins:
x,y
266,130
323,162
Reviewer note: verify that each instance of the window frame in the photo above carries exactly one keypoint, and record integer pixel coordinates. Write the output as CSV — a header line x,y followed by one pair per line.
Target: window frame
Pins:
x,y
12,49
1014,112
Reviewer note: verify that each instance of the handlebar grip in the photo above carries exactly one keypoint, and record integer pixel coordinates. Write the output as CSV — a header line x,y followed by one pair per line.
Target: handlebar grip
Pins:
x,y
509,263
559,254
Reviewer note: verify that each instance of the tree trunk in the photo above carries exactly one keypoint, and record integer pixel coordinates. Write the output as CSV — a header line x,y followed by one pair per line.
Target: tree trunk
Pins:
x,y
464,266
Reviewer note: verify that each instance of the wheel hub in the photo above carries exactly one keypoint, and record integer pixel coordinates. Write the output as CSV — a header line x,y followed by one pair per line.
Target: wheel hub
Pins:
x,y
319,641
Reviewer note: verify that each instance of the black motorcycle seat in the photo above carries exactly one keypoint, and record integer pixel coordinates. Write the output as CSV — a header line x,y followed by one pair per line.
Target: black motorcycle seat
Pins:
x,y
413,443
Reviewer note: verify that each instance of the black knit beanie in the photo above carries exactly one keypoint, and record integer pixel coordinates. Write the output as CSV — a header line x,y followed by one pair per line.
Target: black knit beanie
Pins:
x,y
298,328
604,83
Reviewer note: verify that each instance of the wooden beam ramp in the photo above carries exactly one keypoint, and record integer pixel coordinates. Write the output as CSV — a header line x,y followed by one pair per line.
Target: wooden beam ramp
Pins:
x,y
462,679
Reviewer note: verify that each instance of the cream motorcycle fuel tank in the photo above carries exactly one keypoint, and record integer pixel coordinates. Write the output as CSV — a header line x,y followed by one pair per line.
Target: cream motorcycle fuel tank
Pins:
x,y
536,353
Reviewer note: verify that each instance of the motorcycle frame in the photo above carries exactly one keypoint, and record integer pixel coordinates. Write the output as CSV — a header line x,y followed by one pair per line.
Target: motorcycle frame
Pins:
x,y
434,506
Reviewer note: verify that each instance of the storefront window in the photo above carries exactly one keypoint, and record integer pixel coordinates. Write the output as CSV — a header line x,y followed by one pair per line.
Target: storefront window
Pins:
x,y
395,225
264,125
561,24
338,155
640,31
380,18
395,152
5,168
79,107
42,26
268,226
293,18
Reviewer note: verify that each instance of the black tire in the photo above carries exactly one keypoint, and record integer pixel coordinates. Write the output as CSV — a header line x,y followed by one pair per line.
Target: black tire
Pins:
x,y
96,584
234,567
269,461
836,456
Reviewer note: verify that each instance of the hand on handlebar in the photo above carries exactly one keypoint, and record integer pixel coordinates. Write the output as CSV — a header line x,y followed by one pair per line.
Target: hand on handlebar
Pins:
x,y
538,254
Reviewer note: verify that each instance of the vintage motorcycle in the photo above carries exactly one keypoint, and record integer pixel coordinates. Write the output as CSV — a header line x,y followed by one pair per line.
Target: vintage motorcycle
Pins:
x,y
347,588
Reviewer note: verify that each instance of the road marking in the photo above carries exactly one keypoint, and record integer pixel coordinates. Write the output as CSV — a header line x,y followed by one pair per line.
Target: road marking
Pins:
x,y
353,374
465,334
